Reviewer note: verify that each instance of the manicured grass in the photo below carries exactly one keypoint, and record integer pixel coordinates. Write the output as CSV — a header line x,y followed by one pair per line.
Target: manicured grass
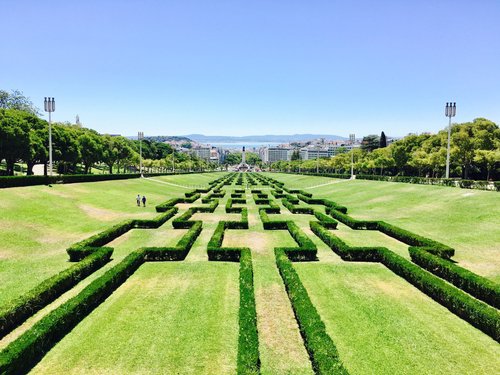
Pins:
x,y
38,223
182,317
383,325
466,220
175,318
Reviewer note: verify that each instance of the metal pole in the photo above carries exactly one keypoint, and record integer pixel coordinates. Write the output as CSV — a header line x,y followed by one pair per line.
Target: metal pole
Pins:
x,y
317,162
50,144
448,150
140,157
352,163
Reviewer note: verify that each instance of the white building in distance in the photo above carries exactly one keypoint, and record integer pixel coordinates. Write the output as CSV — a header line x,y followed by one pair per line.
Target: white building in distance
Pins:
x,y
272,154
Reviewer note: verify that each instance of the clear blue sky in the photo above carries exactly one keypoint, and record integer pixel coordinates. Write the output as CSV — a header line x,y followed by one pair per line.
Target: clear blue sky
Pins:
x,y
255,67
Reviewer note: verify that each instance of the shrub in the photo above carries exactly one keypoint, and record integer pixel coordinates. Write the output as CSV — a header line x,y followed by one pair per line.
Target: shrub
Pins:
x,y
248,361
477,313
83,248
24,352
478,286
322,351
15,313
326,221
156,222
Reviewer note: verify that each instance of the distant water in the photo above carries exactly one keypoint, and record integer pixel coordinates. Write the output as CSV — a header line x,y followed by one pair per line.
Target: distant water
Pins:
x,y
249,146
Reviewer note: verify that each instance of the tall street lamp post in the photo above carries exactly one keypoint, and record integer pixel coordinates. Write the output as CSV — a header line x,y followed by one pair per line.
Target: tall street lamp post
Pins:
x,y
352,138
49,105
450,111
140,136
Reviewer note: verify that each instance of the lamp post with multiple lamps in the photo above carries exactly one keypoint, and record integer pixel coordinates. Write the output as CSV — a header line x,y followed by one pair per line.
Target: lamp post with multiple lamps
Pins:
x,y
140,136
49,105
352,139
450,111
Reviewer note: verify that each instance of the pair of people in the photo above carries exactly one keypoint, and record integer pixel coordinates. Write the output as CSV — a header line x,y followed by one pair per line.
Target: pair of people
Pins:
x,y
138,200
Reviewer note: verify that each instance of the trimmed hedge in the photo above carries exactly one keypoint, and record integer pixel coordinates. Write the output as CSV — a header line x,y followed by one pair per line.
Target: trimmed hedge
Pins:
x,y
157,221
364,254
322,351
326,221
84,248
20,309
477,313
248,361
24,352
351,222
181,249
413,239
478,286
295,209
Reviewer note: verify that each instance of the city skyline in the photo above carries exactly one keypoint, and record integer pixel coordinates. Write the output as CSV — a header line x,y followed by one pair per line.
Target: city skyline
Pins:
x,y
252,69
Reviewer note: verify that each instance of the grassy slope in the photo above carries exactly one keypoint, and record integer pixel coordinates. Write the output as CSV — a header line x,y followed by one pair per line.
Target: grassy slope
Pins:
x,y
464,219
167,318
38,223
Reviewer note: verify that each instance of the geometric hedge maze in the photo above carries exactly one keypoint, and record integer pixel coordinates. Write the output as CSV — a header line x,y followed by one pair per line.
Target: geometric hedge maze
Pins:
x,y
469,296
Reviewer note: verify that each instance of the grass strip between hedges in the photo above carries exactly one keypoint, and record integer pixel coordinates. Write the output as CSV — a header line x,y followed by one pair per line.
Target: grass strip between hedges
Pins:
x,y
322,351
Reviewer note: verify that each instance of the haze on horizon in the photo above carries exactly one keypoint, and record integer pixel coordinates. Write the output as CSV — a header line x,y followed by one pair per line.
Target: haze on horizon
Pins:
x,y
239,68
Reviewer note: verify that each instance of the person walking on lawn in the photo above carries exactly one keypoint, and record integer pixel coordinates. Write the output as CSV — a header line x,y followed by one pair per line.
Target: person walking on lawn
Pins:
x,y
138,200
144,200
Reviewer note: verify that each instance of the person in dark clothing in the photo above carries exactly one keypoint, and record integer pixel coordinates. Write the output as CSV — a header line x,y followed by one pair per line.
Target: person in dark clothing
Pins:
x,y
144,200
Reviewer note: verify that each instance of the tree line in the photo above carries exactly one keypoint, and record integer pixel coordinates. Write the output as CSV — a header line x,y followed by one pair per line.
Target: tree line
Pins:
x,y
24,139
474,154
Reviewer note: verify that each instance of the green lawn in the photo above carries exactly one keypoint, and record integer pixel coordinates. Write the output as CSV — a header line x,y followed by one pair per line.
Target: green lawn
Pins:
x,y
467,220
182,317
383,325
170,318
38,223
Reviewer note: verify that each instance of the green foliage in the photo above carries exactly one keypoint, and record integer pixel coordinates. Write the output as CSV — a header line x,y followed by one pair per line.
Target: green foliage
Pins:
x,y
16,312
21,354
476,285
319,345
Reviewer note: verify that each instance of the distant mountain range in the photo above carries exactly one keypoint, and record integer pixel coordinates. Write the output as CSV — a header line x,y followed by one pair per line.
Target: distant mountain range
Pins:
x,y
260,138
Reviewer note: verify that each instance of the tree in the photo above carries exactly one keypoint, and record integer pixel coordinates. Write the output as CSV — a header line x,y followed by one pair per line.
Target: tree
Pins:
x,y
488,158
383,140
90,149
16,100
296,155
370,143
233,158
14,137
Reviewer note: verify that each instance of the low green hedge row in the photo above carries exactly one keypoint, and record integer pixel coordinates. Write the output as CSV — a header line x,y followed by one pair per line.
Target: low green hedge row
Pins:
x,y
478,286
306,250
351,222
239,191
24,352
295,209
15,313
310,200
172,202
413,239
248,361
326,221
256,191
364,254
322,351
157,221
271,224
83,248
278,194
477,313
182,222
236,195
180,250
260,201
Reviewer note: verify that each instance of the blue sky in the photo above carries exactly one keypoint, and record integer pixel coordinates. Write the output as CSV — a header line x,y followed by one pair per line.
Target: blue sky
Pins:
x,y
255,67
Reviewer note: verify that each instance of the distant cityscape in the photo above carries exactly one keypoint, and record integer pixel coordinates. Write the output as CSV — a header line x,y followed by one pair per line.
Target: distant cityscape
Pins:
x,y
268,152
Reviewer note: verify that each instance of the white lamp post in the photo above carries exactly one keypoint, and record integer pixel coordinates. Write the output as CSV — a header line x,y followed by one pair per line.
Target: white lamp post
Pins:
x,y
49,105
140,136
352,139
450,111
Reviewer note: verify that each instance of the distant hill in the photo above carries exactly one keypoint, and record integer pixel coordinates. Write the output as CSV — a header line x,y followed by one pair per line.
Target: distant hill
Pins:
x,y
261,138
164,138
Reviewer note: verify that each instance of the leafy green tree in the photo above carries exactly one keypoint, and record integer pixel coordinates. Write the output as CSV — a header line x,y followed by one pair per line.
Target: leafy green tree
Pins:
x,y
90,149
383,140
14,137
16,100
370,142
